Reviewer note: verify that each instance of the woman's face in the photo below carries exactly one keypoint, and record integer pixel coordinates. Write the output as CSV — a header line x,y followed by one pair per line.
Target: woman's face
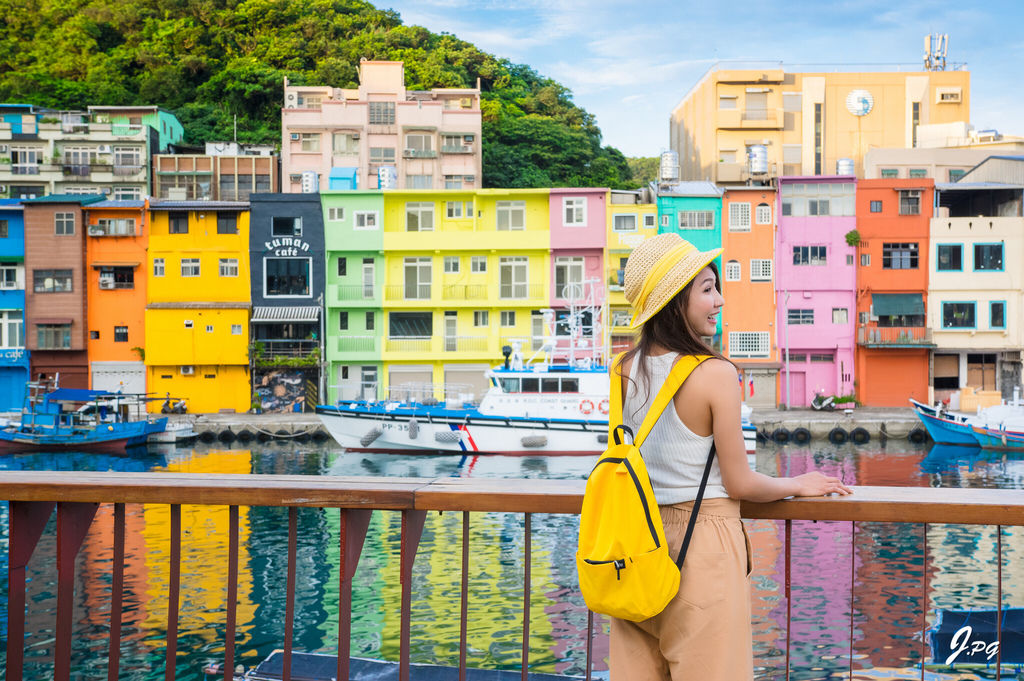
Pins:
x,y
704,303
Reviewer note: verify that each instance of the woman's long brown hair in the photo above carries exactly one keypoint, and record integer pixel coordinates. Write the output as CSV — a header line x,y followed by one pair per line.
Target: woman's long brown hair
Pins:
x,y
670,329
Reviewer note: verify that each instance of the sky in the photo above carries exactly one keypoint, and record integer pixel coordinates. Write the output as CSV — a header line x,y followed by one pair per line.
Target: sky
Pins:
x,y
630,63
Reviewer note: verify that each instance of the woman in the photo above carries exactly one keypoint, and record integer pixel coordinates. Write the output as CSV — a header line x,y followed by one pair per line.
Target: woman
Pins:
x,y
704,632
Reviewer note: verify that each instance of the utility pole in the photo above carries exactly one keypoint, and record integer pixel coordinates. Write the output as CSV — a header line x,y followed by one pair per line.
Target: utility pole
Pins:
x,y
789,382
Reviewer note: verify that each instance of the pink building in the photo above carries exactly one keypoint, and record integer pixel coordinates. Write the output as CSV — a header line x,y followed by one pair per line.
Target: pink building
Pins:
x,y
380,135
815,284
578,237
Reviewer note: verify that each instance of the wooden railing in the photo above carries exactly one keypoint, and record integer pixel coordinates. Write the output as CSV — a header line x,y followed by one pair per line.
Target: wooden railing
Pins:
x,y
77,495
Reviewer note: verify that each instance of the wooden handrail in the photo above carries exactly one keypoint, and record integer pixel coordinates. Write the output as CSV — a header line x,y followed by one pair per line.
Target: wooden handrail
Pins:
x,y
879,504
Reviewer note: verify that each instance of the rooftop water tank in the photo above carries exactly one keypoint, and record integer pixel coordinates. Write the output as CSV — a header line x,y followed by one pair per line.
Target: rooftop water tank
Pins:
x,y
387,177
757,158
669,170
845,166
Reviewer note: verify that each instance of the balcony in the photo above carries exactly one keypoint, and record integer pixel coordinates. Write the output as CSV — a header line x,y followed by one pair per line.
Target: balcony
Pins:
x,y
25,169
407,344
107,230
464,292
456,149
127,170
268,353
894,336
616,279
466,344
357,343
520,291
419,153
353,292
126,130
410,292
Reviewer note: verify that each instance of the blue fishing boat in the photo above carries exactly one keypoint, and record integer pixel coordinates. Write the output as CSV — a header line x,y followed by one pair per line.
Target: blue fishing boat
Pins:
x,y
945,427
70,419
998,438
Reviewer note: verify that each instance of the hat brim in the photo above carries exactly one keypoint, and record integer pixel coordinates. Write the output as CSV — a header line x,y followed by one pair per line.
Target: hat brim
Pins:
x,y
661,296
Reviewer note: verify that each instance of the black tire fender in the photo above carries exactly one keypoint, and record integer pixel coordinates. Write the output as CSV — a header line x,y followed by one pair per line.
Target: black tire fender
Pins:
x,y
781,435
860,436
801,436
837,436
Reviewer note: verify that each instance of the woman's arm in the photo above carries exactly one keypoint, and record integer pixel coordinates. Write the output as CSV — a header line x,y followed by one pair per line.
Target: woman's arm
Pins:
x,y
719,382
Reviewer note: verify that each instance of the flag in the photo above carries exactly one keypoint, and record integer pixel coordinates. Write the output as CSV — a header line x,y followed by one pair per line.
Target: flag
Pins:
x,y
751,386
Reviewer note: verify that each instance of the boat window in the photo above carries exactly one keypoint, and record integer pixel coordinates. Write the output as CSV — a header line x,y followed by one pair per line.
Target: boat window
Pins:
x,y
549,385
510,385
570,385
531,385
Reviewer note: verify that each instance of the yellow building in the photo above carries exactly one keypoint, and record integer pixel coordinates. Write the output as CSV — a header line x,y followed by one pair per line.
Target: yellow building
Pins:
x,y
632,217
466,272
806,122
198,302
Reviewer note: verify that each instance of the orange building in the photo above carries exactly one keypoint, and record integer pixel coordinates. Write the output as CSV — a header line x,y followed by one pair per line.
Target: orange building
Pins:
x,y
748,316
115,254
893,343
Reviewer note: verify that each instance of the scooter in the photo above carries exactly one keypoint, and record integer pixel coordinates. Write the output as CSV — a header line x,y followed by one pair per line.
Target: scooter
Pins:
x,y
823,402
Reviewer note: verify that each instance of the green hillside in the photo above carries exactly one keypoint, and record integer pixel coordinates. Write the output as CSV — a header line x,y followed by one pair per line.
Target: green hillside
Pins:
x,y
212,60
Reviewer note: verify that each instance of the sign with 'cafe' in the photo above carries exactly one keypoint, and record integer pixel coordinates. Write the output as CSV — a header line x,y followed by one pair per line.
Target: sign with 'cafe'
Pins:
x,y
285,246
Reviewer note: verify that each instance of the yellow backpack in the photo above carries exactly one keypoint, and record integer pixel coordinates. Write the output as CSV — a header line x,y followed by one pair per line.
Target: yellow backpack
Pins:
x,y
622,559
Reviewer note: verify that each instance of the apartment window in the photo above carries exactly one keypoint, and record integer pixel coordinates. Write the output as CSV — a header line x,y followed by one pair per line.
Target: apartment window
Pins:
x,y
342,267
286,277
800,317
696,219
382,113
3,229
739,217
8,275
649,221
229,267
64,223
51,281
749,344
915,120
955,174
365,219
840,315
419,216
818,207
513,275
918,172
823,357
508,318
190,267
849,259
382,154
419,144
809,255
419,181
997,315
727,101
451,264
760,269
764,214
666,221
958,315
236,329
120,334
369,269
117,226
345,144
343,320
310,141
227,223
575,211
480,318
569,277
819,150
902,256
478,264
453,181
158,267
417,278
950,258
625,223
889,173
988,257
53,336
865,259
177,223
510,215
875,206
453,209
733,271
117,277
12,329
369,322
286,226
335,214
910,202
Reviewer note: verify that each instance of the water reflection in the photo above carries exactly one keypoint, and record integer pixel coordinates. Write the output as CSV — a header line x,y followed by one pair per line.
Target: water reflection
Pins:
x,y
886,610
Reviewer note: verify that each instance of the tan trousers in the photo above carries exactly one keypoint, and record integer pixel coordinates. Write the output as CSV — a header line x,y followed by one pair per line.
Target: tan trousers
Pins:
x,y
704,632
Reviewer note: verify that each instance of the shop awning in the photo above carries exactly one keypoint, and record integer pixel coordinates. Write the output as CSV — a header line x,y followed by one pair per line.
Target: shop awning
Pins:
x,y
285,314
52,320
115,263
896,304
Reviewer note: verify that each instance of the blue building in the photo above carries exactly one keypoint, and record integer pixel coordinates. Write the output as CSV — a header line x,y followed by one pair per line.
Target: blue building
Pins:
x,y
14,358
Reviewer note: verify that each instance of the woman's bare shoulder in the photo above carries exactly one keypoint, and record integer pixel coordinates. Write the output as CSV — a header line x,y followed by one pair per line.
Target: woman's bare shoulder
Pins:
x,y
715,369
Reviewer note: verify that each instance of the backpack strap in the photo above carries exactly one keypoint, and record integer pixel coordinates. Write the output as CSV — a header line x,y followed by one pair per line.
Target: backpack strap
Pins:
x,y
680,372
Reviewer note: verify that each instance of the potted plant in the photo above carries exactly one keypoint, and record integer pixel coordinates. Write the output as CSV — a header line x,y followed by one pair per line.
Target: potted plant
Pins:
x,y
845,401
256,406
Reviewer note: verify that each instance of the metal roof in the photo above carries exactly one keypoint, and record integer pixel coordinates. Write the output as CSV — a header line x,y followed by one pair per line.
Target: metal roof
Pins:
x,y
82,199
198,205
959,186
118,204
285,314
691,188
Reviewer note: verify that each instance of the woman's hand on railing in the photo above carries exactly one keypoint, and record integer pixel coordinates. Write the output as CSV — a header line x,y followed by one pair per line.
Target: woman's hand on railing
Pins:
x,y
815,484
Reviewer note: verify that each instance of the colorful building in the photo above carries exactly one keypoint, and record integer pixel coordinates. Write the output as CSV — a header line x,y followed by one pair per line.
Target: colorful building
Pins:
x,y
14,358
801,124
55,301
976,281
748,318
226,172
815,278
632,217
380,133
115,279
286,262
198,302
893,343
354,297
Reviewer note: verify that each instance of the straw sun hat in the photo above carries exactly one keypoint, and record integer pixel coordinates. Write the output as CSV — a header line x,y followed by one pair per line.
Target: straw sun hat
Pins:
x,y
658,269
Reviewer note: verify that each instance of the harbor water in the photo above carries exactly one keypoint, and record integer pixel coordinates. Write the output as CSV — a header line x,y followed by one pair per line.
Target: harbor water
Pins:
x,y
863,581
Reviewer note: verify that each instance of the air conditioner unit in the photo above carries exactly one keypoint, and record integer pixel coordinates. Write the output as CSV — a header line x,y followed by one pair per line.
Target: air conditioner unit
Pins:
x,y
103,148
96,230
3,188
355,135
3,148
289,106
295,177
291,95
469,138
409,152
106,283
466,102
188,370
470,178
296,136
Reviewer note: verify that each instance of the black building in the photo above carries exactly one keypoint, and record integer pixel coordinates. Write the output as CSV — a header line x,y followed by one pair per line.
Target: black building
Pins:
x,y
286,247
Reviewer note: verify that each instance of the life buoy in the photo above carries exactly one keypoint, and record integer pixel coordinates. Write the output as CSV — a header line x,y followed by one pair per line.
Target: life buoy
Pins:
x,y
586,406
801,436
860,436
603,406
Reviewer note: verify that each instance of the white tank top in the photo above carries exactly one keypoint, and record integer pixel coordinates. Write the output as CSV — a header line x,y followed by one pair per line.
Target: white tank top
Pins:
x,y
675,456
